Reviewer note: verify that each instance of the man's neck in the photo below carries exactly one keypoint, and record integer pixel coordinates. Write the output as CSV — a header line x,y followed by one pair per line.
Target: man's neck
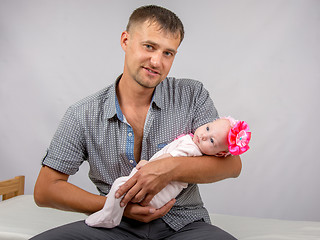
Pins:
x,y
134,101
131,94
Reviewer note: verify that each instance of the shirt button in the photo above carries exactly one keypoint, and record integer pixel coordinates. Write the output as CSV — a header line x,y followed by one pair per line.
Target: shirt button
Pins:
x,y
130,134
131,161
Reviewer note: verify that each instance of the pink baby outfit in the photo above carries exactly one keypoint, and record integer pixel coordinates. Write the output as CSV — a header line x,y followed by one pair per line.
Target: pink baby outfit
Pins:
x,y
110,215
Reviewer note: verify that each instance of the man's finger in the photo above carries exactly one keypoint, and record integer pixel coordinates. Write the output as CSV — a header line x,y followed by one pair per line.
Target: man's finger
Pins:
x,y
139,197
130,195
125,187
146,200
166,208
163,210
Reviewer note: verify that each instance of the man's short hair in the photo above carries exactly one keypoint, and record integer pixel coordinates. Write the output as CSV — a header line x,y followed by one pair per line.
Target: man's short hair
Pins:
x,y
167,20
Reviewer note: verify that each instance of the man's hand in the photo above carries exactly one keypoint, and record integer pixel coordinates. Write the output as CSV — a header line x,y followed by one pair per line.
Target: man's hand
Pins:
x,y
146,214
154,176
141,164
147,182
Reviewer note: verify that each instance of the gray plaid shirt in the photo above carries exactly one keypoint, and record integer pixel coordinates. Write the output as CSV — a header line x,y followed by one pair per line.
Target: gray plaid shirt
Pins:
x,y
95,130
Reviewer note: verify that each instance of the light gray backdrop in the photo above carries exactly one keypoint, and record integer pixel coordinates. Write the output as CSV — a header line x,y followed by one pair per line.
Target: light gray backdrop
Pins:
x,y
259,60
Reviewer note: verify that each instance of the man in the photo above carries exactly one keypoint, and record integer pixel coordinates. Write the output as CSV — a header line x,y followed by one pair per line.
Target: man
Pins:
x,y
128,121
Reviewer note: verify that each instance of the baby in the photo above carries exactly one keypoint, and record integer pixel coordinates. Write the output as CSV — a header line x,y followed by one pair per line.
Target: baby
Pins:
x,y
221,138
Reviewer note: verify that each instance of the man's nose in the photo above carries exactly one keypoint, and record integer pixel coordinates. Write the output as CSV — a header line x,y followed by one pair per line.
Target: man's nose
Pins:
x,y
155,59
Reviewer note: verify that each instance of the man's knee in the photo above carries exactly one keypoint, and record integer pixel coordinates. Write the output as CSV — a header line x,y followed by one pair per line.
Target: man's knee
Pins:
x,y
67,232
203,231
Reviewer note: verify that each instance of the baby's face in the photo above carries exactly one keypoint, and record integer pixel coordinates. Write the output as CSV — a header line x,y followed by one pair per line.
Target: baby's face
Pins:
x,y
212,137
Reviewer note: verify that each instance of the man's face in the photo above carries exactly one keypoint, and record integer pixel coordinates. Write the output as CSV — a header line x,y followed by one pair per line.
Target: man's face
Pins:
x,y
149,53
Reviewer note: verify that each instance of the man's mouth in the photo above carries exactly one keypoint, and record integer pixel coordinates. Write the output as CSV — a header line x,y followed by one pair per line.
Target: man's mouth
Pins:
x,y
151,70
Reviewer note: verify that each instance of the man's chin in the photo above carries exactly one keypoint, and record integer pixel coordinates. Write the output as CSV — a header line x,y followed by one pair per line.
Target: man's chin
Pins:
x,y
149,83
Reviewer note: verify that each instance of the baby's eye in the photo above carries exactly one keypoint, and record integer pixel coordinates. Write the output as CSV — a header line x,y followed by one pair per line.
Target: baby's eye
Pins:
x,y
211,140
207,128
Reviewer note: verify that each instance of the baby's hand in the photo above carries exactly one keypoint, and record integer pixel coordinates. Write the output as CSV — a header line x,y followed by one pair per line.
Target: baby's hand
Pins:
x,y
141,164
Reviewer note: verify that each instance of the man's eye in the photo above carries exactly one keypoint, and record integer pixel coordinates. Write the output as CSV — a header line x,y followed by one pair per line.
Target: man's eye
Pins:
x,y
148,46
168,54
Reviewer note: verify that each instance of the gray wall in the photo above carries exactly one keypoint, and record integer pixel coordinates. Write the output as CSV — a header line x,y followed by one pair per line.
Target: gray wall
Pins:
x,y
259,60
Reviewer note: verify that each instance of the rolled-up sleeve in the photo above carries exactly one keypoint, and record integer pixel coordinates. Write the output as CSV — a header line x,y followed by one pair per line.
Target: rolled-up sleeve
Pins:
x,y
67,149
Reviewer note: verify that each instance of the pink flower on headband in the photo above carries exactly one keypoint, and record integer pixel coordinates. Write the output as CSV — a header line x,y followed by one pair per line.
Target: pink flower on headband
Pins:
x,y
239,138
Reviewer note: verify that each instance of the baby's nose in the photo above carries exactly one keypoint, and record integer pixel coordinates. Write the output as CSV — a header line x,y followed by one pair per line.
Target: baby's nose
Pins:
x,y
204,137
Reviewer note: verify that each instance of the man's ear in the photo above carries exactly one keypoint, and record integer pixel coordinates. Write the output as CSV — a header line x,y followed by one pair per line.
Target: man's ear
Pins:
x,y
124,40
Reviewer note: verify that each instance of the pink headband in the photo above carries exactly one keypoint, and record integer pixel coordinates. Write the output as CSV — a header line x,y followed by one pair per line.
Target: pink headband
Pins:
x,y
238,137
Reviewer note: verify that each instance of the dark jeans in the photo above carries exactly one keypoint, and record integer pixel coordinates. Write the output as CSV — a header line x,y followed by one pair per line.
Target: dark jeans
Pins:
x,y
131,229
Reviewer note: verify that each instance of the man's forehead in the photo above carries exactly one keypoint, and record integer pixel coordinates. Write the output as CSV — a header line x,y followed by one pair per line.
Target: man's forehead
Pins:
x,y
153,25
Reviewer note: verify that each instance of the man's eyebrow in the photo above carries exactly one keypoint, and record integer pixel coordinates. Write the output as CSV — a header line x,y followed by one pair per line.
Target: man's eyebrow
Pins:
x,y
157,45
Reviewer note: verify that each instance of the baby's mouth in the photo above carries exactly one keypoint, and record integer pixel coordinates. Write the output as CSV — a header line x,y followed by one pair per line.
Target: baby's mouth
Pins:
x,y
196,139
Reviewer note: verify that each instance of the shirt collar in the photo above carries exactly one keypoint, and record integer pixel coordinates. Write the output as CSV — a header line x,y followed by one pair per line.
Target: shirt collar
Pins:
x,y
157,98
112,107
112,104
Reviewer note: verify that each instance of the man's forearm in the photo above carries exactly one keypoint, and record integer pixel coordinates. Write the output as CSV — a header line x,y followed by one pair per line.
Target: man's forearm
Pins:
x,y
204,169
154,176
53,190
